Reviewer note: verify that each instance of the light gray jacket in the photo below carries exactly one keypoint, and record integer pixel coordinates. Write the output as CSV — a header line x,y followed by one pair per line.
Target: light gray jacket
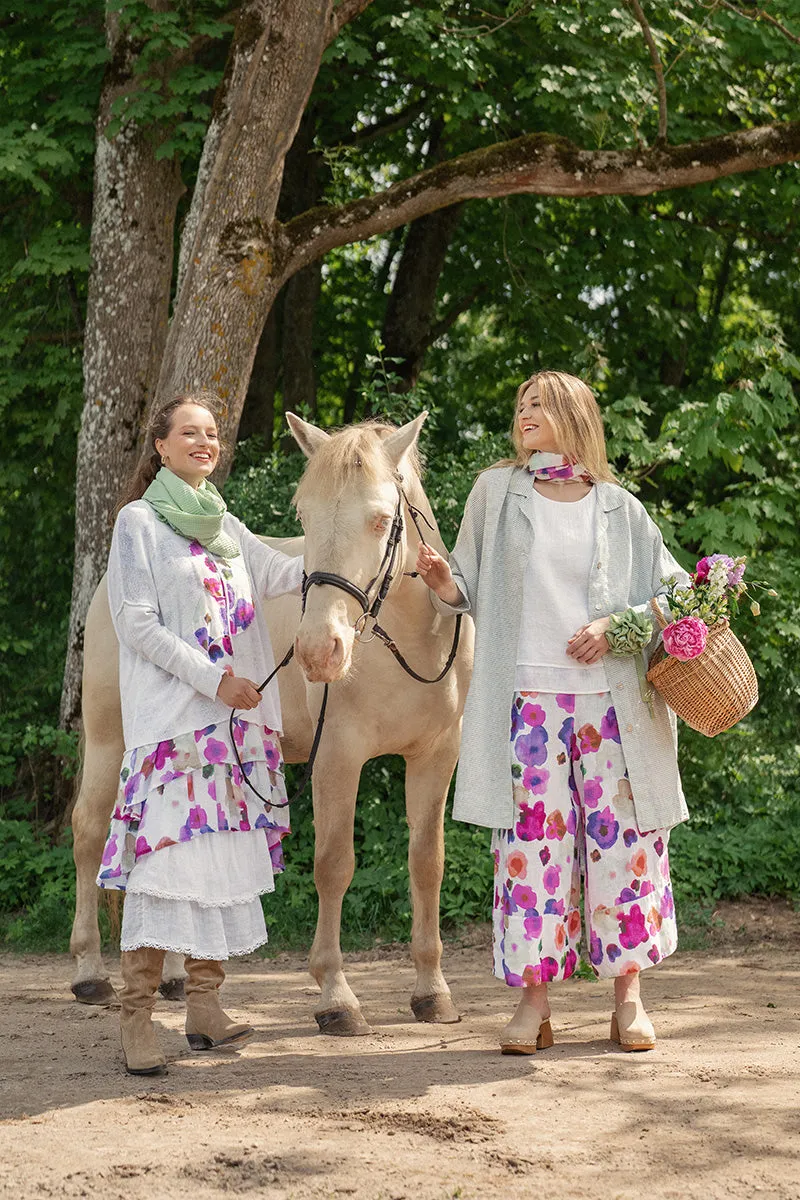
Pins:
x,y
488,565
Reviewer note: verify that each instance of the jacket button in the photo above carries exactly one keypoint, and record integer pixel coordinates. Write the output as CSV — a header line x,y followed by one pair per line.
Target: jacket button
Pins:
x,y
629,728
599,565
620,685
597,608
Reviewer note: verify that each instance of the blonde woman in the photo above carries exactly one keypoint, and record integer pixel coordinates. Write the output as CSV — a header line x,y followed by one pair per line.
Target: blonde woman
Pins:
x,y
557,563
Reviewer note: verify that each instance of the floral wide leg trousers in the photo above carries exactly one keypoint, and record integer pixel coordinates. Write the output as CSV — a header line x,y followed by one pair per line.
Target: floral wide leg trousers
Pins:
x,y
574,817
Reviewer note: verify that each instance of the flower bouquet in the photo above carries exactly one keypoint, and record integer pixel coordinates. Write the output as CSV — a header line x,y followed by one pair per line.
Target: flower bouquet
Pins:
x,y
702,669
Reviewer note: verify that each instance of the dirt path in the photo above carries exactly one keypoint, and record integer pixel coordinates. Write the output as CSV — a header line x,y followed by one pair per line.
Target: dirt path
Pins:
x,y
417,1112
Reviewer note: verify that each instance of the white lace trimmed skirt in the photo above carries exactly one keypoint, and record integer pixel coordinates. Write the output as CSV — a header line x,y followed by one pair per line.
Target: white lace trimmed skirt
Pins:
x,y
192,846
200,899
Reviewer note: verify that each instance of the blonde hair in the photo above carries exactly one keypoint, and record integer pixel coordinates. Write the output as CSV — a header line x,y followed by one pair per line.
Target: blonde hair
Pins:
x,y
570,406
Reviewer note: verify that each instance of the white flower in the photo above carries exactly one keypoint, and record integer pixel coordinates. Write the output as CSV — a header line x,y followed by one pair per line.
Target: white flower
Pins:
x,y
717,580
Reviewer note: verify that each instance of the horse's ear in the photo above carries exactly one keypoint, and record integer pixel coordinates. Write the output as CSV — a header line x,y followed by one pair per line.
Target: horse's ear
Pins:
x,y
308,437
397,443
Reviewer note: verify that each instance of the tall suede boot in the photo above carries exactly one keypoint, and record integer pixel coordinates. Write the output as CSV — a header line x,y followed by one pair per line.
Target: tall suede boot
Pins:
x,y
141,975
207,1026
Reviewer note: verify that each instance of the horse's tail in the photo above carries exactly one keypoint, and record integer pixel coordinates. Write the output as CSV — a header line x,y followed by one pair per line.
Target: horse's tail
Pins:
x,y
111,900
70,789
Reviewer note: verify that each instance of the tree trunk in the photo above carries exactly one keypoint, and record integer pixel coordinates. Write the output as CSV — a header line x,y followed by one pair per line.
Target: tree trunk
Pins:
x,y
258,415
229,273
299,315
135,200
412,303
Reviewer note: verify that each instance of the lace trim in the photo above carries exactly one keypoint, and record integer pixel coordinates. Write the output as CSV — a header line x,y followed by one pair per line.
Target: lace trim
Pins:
x,y
191,951
162,895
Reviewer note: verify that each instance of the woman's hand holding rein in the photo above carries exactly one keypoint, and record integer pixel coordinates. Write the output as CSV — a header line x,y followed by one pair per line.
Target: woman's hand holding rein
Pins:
x,y
436,572
238,692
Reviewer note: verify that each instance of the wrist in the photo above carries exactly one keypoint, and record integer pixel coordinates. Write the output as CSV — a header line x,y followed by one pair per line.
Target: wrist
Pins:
x,y
450,592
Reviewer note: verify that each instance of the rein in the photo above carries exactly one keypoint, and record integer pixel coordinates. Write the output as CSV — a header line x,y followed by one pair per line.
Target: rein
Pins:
x,y
370,608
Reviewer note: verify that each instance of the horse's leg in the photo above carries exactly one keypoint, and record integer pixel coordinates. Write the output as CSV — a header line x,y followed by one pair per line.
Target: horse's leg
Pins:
x,y
335,787
173,977
427,781
90,827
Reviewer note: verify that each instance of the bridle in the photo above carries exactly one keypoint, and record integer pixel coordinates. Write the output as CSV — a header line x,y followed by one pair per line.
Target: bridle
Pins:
x,y
370,607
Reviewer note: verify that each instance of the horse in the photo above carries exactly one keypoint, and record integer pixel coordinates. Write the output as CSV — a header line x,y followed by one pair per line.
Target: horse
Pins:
x,y
359,501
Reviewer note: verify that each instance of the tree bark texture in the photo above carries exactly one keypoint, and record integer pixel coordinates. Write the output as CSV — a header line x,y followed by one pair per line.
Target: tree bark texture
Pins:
x,y
133,219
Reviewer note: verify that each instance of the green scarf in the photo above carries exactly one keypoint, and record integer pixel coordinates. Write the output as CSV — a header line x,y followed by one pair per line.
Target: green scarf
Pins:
x,y
194,513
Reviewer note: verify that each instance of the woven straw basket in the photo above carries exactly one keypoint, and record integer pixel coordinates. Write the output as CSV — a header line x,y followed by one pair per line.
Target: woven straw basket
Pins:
x,y
711,692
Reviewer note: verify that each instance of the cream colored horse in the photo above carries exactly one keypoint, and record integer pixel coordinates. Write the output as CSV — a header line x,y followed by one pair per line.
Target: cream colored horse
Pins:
x,y
346,499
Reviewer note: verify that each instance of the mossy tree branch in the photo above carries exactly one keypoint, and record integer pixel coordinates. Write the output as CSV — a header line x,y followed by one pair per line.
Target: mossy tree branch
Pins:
x,y
536,164
345,12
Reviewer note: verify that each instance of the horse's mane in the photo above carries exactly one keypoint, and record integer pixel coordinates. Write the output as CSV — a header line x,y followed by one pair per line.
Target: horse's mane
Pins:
x,y
354,450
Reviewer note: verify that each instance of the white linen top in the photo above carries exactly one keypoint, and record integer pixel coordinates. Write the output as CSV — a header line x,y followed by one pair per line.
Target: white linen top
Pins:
x,y
555,597
182,615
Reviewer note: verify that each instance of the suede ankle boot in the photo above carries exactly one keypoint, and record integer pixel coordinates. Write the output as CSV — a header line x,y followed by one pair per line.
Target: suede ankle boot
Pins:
x,y
141,975
207,1026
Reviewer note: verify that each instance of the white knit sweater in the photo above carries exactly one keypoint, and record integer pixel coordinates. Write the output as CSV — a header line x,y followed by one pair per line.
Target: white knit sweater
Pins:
x,y
182,615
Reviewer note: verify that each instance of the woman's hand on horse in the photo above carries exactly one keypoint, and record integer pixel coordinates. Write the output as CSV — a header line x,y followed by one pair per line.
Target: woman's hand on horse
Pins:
x,y
238,692
436,572
589,644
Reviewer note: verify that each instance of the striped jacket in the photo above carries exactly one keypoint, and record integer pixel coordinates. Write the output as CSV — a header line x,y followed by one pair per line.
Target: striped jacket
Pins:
x,y
488,565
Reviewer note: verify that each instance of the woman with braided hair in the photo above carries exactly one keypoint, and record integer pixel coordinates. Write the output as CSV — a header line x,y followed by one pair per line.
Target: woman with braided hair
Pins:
x,y
193,849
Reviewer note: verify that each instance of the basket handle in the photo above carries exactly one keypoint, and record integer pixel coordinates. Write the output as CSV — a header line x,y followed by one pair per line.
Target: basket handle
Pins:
x,y
656,607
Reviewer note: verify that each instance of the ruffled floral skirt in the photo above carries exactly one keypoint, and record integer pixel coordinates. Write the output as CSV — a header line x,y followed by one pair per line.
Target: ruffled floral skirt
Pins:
x,y
188,891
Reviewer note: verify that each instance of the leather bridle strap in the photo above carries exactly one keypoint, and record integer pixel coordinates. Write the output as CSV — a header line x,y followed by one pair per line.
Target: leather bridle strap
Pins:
x,y
287,658
368,609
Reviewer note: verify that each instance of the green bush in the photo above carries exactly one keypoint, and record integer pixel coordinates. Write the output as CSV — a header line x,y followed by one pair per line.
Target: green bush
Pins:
x,y
37,889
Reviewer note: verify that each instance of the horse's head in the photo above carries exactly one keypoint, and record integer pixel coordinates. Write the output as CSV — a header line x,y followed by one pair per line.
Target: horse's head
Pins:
x,y
346,500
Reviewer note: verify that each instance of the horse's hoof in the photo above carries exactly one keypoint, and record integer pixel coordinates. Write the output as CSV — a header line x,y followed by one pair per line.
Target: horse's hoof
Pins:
x,y
94,991
172,989
342,1022
436,1010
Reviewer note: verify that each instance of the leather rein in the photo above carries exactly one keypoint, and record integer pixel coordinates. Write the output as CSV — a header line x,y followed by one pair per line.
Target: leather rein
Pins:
x,y
370,610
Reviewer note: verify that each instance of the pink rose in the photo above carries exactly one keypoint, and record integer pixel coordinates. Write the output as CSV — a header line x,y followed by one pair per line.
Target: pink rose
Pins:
x,y
686,638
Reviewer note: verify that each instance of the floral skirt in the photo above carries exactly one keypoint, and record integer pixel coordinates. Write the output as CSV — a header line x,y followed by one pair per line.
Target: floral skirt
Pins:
x,y
191,786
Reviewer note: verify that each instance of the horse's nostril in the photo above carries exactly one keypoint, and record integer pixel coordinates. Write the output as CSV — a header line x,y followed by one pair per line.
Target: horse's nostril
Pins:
x,y
337,653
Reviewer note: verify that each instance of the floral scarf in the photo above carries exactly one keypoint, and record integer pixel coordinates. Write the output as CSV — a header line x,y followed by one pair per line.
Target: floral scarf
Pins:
x,y
556,468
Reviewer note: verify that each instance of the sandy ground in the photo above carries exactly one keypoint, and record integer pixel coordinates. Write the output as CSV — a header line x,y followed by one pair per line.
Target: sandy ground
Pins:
x,y
416,1112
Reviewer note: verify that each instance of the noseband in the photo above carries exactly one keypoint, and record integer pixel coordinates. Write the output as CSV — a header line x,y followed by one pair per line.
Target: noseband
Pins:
x,y
369,609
